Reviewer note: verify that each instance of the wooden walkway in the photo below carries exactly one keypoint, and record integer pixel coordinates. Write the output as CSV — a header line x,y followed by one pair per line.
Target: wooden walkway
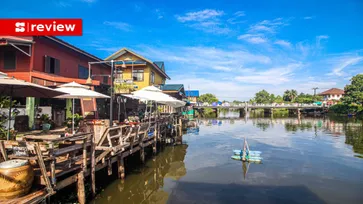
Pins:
x,y
61,161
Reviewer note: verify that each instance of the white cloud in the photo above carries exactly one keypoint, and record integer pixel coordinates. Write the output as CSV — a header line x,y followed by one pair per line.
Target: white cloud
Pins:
x,y
200,15
283,43
343,63
318,40
118,25
206,20
159,13
253,38
277,75
237,17
308,17
62,4
206,58
270,26
89,1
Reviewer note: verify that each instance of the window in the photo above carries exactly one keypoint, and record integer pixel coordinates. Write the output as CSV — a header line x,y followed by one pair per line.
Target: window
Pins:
x,y
152,77
138,75
105,79
82,72
9,60
52,65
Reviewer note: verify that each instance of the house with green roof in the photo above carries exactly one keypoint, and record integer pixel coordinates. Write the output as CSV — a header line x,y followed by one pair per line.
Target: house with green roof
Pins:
x,y
174,90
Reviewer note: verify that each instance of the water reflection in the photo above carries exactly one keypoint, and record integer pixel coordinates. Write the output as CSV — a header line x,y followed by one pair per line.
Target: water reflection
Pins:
x,y
306,160
146,186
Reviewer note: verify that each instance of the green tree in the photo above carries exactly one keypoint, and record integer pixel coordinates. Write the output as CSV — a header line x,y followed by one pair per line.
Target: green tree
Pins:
x,y
208,97
272,98
262,97
290,95
279,99
353,92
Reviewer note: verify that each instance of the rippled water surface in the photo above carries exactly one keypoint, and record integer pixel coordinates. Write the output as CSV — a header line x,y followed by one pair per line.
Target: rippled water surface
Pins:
x,y
312,160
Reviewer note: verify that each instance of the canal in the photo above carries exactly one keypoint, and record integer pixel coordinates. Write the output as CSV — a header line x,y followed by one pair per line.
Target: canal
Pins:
x,y
308,160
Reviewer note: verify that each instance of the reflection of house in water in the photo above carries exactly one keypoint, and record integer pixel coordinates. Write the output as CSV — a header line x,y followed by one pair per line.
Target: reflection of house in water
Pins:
x,y
145,186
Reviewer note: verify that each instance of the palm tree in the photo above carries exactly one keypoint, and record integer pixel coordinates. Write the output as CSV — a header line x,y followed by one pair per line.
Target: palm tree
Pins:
x,y
286,95
293,94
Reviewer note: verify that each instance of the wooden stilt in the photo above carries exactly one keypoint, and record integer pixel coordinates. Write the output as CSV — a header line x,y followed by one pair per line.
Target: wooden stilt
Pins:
x,y
93,166
52,164
84,155
109,167
3,151
121,168
180,126
142,154
80,188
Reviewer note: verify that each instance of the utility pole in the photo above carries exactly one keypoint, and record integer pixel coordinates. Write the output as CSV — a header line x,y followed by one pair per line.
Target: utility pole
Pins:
x,y
315,88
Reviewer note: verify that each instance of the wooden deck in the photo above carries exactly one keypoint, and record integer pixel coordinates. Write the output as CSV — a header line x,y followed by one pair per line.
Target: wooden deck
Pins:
x,y
61,161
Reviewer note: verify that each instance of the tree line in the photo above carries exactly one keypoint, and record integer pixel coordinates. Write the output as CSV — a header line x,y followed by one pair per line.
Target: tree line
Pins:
x,y
288,96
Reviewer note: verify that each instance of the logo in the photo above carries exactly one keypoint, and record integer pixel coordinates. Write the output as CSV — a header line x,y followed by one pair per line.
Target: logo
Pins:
x,y
39,27
19,27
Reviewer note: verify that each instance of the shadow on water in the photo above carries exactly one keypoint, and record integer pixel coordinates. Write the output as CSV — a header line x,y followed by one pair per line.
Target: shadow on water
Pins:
x,y
190,192
144,185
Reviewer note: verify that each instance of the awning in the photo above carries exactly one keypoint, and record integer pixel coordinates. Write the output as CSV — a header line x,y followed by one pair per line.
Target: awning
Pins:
x,y
16,42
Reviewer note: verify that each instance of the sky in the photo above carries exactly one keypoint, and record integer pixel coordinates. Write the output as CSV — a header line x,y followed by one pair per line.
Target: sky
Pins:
x,y
232,49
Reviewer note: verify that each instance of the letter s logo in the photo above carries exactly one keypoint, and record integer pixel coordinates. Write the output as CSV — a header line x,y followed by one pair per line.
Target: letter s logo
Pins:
x,y
19,27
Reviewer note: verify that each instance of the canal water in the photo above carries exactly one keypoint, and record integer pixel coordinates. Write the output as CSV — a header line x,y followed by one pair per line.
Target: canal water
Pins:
x,y
308,160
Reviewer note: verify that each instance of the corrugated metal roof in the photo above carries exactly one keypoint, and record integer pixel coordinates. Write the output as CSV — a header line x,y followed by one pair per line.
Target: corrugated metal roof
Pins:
x,y
192,93
171,87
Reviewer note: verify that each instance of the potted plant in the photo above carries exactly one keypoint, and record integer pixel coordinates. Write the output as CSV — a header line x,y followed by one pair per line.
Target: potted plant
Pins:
x,y
45,122
77,119
123,88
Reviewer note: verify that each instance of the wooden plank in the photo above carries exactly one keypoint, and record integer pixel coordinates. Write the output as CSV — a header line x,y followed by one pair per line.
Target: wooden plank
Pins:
x,y
69,149
80,188
102,155
43,169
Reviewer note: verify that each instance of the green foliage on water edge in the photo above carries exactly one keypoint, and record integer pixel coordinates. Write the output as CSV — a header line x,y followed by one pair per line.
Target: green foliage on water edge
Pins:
x,y
208,97
352,101
209,113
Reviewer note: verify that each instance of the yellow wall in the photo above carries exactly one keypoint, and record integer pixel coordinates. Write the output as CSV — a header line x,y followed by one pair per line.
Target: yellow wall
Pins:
x,y
147,72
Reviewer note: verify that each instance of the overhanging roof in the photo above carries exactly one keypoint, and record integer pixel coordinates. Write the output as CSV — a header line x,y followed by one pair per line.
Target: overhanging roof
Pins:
x,y
124,50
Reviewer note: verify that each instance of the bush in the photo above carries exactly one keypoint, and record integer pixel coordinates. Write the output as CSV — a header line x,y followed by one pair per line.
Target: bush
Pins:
x,y
341,108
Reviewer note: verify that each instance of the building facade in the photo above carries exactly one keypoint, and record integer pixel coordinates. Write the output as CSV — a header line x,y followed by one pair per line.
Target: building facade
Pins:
x,y
140,72
192,95
333,95
50,61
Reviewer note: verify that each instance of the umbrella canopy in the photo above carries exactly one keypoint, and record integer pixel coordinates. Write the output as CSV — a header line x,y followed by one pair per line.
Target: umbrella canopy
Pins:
x,y
13,87
154,94
78,91
18,88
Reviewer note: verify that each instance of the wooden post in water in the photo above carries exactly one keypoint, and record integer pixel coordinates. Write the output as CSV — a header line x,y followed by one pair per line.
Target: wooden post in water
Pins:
x,y
93,165
80,188
121,168
142,154
244,150
180,127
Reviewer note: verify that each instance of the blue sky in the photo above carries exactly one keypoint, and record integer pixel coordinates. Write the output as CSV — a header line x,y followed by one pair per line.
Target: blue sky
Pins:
x,y
230,48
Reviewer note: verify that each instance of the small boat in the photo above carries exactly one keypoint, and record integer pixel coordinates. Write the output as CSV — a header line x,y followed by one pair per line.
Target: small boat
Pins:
x,y
250,153
249,159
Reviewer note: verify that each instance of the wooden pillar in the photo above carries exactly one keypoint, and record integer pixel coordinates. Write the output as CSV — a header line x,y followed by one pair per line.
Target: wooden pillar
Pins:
x,y
121,168
109,167
80,188
30,110
93,166
52,164
142,154
156,132
180,127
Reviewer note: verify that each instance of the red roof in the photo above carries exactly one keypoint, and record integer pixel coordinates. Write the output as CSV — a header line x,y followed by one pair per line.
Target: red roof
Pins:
x,y
333,91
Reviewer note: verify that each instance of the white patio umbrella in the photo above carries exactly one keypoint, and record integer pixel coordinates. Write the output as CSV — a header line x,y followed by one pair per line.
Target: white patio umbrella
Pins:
x,y
77,91
154,94
18,88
